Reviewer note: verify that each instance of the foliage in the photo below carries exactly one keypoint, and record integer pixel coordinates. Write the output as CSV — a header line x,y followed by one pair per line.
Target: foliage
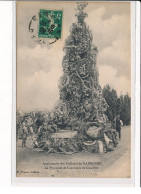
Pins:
x,y
125,109
117,105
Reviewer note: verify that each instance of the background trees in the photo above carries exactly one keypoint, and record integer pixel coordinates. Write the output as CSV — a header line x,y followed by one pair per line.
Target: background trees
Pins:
x,y
117,105
125,109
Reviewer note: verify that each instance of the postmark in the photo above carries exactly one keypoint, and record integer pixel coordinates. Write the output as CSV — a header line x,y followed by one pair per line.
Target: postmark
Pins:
x,y
46,26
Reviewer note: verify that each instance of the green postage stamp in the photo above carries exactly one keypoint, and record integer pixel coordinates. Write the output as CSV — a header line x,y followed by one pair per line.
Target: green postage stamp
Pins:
x,y
50,24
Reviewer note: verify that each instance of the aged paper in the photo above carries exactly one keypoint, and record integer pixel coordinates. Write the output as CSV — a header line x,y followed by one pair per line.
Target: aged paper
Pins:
x,y
73,114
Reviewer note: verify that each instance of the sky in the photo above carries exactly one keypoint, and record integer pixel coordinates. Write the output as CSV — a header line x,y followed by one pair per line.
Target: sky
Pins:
x,y
40,68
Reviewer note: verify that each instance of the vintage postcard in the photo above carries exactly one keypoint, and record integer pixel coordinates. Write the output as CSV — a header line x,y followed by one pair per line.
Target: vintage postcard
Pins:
x,y
73,88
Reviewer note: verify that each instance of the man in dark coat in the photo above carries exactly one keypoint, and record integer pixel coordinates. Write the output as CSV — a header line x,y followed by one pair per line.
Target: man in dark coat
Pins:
x,y
118,126
24,137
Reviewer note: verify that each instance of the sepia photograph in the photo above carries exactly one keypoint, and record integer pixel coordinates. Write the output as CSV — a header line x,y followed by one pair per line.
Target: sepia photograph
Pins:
x,y
73,89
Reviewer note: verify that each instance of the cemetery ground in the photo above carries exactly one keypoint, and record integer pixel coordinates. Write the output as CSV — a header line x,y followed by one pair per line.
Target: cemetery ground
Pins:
x,y
117,163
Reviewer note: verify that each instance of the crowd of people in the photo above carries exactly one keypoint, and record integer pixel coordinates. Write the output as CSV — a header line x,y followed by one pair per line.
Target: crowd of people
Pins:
x,y
32,123
41,125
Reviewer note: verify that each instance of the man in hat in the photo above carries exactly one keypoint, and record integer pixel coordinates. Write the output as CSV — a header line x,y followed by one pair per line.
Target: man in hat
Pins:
x,y
118,126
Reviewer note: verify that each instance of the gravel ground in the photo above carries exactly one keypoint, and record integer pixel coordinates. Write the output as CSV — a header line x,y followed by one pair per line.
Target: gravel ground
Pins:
x,y
31,163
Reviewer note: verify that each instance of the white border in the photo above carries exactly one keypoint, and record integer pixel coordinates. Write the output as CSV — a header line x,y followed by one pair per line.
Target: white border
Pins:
x,y
133,75
74,181
137,96
5,92
13,147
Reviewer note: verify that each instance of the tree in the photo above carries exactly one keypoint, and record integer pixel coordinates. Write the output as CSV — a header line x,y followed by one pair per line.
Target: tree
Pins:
x,y
117,105
125,112
113,102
